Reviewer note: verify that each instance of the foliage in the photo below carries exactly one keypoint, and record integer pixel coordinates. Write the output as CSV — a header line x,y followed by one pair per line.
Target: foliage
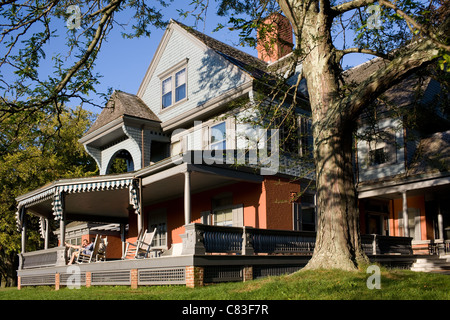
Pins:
x,y
37,149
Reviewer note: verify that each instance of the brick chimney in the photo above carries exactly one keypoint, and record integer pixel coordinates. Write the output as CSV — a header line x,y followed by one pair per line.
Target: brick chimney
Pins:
x,y
275,39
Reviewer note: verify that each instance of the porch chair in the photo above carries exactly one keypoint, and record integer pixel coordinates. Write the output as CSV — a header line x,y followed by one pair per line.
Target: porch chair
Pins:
x,y
87,258
101,255
140,248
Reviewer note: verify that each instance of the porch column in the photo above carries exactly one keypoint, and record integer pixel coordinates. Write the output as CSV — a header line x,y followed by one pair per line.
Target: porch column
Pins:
x,y
62,231
187,197
122,237
440,221
405,215
47,231
24,231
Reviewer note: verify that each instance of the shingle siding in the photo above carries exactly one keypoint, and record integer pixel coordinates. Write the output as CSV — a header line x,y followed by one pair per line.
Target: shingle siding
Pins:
x,y
208,75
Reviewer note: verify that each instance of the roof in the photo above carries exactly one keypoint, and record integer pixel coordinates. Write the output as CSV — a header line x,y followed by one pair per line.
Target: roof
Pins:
x,y
123,104
252,65
432,155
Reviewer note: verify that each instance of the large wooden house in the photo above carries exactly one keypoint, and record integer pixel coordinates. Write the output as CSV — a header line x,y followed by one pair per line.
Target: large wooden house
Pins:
x,y
222,197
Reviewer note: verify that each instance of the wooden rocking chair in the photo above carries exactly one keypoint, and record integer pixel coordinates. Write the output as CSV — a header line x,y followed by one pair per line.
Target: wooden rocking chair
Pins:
x,y
87,258
140,248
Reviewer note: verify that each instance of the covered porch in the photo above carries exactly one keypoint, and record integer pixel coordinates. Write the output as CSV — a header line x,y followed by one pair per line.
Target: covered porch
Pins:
x,y
209,254
204,254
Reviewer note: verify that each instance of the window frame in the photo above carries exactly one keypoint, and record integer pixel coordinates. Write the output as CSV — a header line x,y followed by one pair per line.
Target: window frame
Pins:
x,y
223,141
171,73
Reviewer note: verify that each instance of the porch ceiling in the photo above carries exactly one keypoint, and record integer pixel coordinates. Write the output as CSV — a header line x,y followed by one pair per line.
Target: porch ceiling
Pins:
x,y
170,183
99,206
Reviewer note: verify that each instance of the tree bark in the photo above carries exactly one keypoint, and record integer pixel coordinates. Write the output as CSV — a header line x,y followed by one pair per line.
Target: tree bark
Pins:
x,y
338,243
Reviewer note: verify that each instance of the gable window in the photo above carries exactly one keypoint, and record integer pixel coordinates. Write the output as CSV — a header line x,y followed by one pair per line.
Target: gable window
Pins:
x,y
174,85
382,149
167,93
180,85
218,137
378,156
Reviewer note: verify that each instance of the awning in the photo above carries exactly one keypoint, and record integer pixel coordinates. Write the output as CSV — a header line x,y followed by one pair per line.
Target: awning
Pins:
x,y
81,196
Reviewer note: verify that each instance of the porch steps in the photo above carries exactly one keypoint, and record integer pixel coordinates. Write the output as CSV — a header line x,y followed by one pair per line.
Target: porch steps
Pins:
x,y
432,264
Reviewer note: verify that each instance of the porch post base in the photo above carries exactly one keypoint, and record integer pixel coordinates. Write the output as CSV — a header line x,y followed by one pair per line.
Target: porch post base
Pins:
x,y
247,273
194,276
57,281
134,278
88,279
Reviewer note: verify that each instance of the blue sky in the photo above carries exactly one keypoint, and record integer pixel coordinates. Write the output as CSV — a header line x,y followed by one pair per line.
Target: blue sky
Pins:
x,y
123,62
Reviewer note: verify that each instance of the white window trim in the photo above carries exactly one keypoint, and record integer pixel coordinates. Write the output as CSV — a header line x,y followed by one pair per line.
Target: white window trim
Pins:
x,y
171,73
238,215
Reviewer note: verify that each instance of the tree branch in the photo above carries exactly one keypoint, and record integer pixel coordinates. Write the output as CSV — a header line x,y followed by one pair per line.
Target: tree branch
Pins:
x,y
347,6
341,53
415,57
416,25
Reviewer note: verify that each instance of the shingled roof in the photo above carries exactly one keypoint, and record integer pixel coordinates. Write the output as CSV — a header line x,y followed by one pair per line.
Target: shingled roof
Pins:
x,y
257,68
123,104
432,155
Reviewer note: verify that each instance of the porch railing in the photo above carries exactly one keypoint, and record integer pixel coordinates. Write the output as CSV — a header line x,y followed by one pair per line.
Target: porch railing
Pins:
x,y
202,239
43,258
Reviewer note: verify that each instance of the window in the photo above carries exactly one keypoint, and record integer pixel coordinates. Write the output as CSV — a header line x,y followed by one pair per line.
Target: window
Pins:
x,y
224,212
223,217
304,216
173,88
378,156
218,137
167,93
158,219
180,85
382,149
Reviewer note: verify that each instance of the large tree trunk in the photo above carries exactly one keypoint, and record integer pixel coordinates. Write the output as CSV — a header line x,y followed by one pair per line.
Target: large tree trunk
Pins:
x,y
338,243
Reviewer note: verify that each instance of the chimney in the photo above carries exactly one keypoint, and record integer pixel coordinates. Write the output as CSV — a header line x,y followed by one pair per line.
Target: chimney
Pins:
x,y
275,38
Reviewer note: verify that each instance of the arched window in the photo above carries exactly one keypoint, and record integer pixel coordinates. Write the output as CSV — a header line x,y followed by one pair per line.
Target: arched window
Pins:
x,y
121,162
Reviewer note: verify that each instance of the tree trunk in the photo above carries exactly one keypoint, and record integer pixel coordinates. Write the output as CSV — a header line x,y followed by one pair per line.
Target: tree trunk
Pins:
x,y
338,243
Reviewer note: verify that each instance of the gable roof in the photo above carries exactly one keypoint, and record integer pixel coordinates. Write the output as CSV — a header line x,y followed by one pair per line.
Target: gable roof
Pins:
x,y
432,155
252,65
123,104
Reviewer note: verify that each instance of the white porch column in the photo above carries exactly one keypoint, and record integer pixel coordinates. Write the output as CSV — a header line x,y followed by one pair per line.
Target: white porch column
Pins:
x,y
24,234
47,233
62,231
187,197
440,221
405,215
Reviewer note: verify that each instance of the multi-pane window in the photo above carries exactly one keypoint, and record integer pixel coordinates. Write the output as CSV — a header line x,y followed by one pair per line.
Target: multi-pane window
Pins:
x,y
218,137
158,219
223,217
174,88
304,213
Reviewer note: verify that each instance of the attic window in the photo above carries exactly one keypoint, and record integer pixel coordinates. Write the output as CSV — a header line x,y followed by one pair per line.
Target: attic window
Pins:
x,y
174,85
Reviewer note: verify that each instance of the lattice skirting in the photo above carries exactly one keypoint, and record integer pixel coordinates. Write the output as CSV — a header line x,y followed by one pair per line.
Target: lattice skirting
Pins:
x,y
162,276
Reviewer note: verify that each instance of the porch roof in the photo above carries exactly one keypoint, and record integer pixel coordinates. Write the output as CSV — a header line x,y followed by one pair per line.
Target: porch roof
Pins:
x,y
109,198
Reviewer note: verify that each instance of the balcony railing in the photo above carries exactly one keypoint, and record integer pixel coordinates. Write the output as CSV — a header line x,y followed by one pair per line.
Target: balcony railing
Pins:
x,y
203,239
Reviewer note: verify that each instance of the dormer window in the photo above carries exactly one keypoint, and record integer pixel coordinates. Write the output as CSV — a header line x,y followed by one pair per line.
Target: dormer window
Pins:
x,y
174,85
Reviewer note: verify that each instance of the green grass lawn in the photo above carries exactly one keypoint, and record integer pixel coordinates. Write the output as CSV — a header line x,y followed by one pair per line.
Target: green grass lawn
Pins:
x,y
303,285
